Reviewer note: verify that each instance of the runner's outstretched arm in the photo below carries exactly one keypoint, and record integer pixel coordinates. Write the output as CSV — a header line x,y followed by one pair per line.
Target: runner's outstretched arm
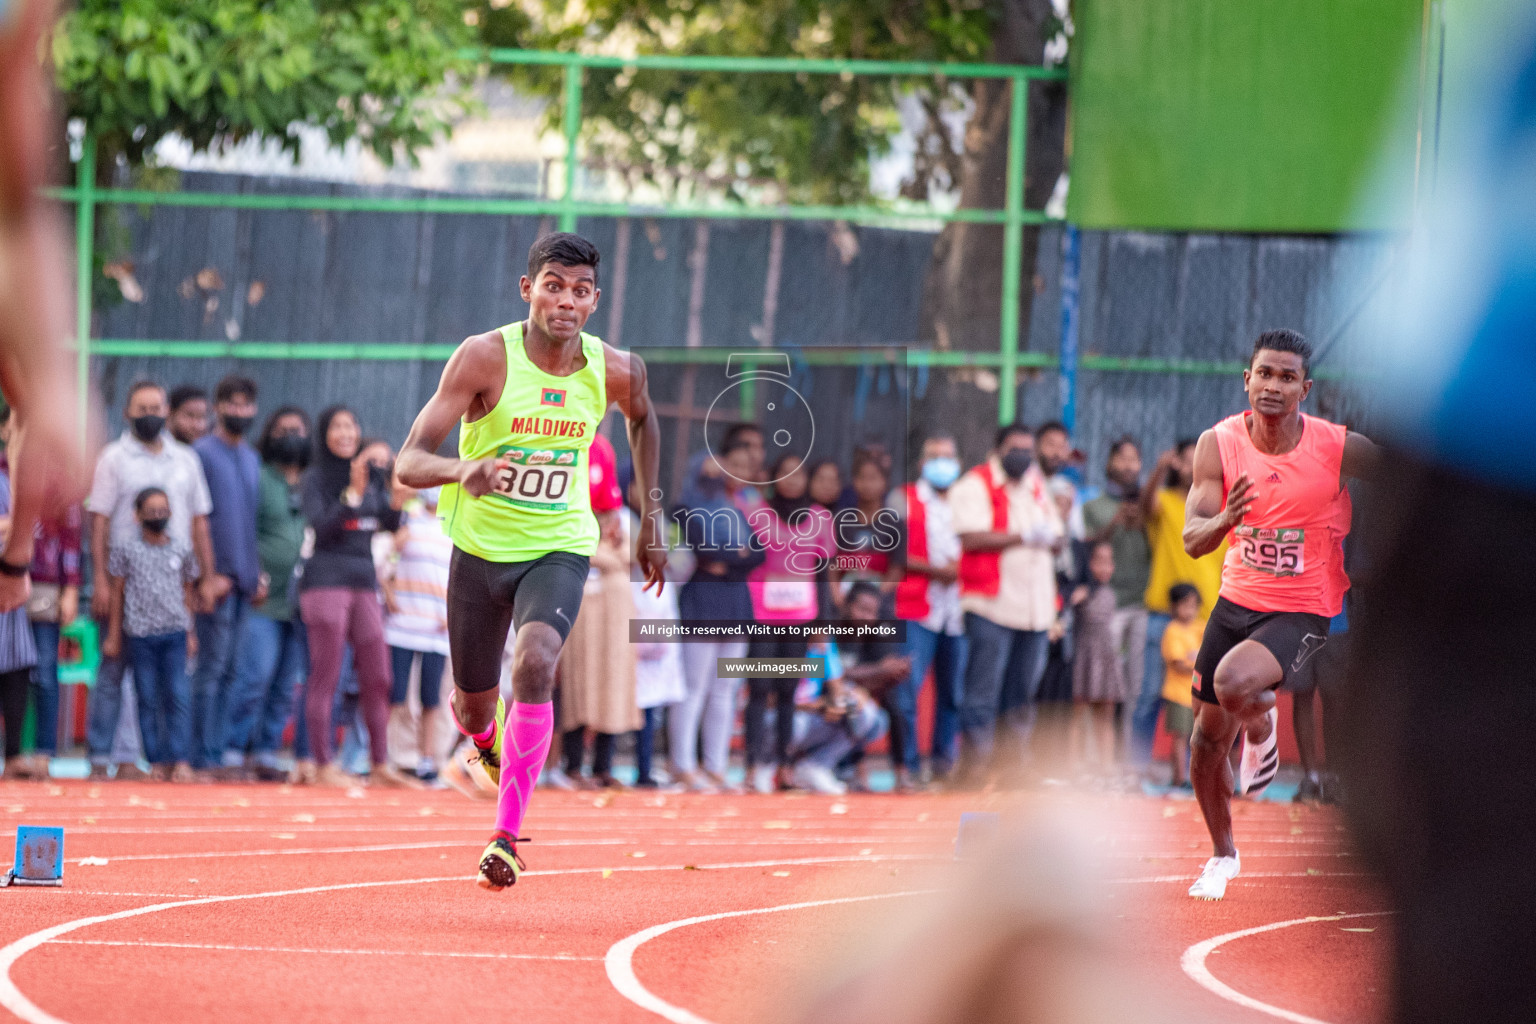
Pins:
x,y
49,470
460,393
628,387
1206,521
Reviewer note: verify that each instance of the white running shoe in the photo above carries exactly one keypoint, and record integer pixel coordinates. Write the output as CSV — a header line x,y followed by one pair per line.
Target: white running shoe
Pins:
x,y
1261,761
556,778
818,779
1212,883
762,778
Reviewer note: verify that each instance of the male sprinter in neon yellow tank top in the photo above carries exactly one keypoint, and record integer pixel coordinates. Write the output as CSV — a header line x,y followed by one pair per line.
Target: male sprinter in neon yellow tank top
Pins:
x,y
529,397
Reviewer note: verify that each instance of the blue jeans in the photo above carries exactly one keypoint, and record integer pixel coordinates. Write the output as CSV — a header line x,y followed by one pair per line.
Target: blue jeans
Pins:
x,y
820,742
214,681
270,664
165,699
645,743
45,686
947,655
106,705
1150,701
1002,677
432,664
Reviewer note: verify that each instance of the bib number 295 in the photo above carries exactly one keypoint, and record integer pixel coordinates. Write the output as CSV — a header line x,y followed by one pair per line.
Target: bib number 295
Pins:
x,y
1276,552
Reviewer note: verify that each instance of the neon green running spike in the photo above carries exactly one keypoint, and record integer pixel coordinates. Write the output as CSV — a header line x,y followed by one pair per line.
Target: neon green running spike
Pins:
x,y
500,865
490,759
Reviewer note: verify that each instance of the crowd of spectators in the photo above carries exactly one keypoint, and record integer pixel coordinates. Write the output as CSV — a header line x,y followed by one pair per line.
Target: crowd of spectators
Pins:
x,y
277,611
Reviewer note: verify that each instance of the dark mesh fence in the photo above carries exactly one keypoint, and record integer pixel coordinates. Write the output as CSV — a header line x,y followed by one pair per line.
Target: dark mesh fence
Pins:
x,y
411,279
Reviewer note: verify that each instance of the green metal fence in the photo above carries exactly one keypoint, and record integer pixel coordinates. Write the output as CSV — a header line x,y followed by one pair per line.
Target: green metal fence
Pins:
x,y
1013,217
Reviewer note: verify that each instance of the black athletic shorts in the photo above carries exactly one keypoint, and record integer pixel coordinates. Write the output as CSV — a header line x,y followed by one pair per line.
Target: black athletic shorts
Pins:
x,y
1325,669
1292,637
485,599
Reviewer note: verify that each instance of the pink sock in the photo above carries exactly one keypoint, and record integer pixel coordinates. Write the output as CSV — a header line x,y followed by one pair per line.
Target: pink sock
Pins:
x,y
482,739
530,727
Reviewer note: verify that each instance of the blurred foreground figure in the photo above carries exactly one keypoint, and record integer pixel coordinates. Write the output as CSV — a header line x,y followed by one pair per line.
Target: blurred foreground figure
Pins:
x,y
46,455
1442,703
1022,938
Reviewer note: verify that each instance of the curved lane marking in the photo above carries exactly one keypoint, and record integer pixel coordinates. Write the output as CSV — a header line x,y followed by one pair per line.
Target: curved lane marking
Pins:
x,y
1193,962
14,1000
620,959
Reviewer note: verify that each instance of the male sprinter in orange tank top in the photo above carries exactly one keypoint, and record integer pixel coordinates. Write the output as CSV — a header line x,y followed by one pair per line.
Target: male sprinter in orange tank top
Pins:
x,y
1282,474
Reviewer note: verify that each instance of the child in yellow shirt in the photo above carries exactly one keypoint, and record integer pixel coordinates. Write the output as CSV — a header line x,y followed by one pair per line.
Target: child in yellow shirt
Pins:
x,y
1181,642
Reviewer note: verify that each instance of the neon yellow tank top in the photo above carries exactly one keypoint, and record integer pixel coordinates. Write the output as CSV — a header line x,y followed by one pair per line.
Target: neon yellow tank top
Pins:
x,y
544,426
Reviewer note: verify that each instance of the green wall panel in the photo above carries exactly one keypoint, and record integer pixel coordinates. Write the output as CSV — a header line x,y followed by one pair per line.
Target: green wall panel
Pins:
x,y
1236,115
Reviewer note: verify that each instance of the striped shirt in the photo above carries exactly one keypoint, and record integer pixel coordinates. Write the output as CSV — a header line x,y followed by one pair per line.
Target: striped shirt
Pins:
x,y
420,585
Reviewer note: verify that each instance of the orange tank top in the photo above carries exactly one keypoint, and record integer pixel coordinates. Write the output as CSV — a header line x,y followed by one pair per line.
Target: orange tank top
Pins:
x,y
1288,555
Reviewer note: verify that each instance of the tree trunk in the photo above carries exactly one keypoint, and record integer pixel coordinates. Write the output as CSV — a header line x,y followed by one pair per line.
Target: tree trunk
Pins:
x,y
962,299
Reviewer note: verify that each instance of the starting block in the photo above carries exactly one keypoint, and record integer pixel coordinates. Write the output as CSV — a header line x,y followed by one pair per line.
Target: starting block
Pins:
x,y
39,857
977,829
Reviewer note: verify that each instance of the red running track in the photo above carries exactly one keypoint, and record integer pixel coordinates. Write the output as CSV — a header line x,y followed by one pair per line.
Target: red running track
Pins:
x,y
246,903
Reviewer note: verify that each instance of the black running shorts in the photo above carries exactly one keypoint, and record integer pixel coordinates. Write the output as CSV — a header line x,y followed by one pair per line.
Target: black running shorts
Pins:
x,y
1292,637
486,598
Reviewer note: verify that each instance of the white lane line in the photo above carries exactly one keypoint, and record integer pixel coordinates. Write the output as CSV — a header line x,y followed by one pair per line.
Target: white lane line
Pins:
x,y
1193,962
382,848
146,895
339,952
14,1000
479,825
446,844
1190,877
620,959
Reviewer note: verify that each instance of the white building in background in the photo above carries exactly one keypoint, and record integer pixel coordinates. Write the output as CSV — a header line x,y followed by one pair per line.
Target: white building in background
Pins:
x,y
504,149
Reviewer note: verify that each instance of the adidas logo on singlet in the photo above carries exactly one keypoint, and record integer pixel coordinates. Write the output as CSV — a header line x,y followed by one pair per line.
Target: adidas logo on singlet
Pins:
x,y
1274,478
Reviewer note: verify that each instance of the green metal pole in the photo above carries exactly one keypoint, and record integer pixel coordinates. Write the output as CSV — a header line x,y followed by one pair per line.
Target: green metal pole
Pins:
x,y
85,237
1013,252
572,130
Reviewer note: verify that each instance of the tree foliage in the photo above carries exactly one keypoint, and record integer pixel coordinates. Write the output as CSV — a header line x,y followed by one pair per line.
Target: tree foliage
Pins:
x,y
384,72
801,138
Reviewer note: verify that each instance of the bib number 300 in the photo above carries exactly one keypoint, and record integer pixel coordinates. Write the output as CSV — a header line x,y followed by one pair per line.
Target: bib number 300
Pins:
x,y
1276,552
536,479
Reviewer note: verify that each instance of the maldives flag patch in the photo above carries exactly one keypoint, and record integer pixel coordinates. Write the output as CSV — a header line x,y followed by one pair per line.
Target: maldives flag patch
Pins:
x,y
552,396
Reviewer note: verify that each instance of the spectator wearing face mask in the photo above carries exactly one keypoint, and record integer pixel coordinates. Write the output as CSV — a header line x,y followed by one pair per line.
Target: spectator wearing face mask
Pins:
x,y
144,456
928,597
233,471
152,578
1009,528
347,500
272,656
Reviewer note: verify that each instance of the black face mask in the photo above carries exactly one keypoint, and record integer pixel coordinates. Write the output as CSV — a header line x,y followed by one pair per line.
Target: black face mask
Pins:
x,y
289,450
382,475
156,525
1016,462
147,428
236,425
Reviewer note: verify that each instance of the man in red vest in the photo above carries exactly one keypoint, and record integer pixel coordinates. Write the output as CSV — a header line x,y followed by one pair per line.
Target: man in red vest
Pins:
x,y
928,597
1008,527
